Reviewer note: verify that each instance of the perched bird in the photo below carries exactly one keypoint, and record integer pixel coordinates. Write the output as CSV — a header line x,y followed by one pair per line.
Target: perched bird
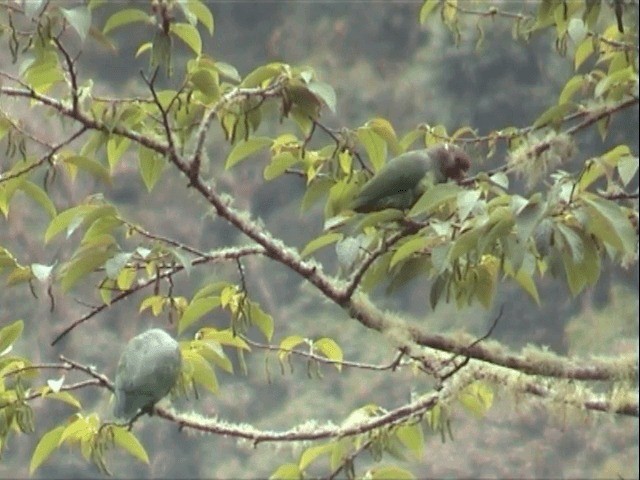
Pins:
x,y
147,370
405,178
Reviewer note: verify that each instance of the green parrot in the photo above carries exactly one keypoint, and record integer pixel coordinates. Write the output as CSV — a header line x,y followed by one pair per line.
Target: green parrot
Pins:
x,y
402,180
147,370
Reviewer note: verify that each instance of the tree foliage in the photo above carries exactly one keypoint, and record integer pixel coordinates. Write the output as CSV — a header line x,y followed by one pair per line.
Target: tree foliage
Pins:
x,y
568,220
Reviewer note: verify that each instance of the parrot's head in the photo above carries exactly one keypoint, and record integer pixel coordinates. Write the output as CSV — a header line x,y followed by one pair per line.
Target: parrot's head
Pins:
x,y
453,161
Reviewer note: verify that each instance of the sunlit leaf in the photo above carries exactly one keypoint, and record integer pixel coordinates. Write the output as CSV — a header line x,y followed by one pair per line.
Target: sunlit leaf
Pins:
x,y
47,444
246,148
124,17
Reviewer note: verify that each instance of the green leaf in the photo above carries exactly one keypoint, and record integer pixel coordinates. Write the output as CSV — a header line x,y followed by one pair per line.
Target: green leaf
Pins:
x,y
10,334
151,165
68,219
161,51
412,245
41,76
189,35
83,265
325,92
288,471
330,349
47,444
79,18
39,196
87,164
608,222
584,272
466,201
426,9
65,397
320,242
202,13
572,240
196,310
575,84
279,164
434,197
528,217
375,146
466,242
124,17
289,343
223,337
319,188
261,319
385,130
616,78
553,115
411,436
206,82
129,443
389,472
155,302
501,180
525,280
115,264
261,74
228,71
200,370
311,454
627,168
477,398
245,148
116,146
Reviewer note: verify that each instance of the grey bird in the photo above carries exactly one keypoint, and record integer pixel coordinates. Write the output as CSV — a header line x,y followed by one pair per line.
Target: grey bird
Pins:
x,y
403,179
147,370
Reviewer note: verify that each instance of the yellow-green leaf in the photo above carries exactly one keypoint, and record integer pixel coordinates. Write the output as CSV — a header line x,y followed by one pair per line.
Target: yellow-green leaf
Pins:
x,y
200,370
279,164
375,146
189,35
202,13
47,444
261,319
426,9
155,302
288,471
408,248
130,443
389,472
10,334
246,148
79,18
412,437
325,92
83,265
311,454
553,115
330,349
570,88
124,17
320,242
196,310
435,196
151,165
477,398
608,222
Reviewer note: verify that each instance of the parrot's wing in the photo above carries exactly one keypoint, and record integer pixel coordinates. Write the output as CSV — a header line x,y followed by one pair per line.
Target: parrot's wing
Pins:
x,y
146,372
400,175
